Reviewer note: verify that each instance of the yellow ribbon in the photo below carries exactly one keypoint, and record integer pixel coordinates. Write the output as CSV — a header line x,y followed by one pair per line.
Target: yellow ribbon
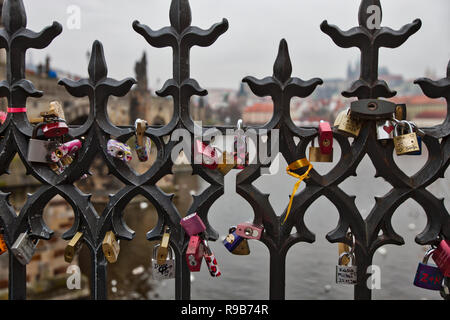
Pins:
x,y
292,167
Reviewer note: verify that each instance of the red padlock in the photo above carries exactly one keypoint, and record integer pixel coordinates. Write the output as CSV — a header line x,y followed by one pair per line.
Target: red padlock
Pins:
x,y
194,254
442,257
211,261
193,224
325,137
55,129
249,231
206,155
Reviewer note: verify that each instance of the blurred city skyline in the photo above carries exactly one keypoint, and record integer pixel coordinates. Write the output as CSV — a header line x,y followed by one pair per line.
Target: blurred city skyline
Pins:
x,y
250,45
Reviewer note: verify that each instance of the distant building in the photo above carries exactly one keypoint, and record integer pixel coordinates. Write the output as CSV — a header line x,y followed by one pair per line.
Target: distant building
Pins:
x,y
259,113
425,112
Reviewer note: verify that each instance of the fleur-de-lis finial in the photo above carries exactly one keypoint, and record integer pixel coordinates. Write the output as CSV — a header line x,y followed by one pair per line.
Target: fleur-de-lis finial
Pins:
x,y
180,15
97,68
282,69
14,16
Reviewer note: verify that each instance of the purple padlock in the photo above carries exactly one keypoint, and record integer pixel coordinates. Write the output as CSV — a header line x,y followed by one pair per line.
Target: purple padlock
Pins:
x,y
193,224
428,276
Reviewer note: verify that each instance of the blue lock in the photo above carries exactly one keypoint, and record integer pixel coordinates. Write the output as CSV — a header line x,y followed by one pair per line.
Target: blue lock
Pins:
x,y
232,241
428,276
419,134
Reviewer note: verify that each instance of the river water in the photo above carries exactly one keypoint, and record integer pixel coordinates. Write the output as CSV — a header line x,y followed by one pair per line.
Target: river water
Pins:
x,y
310,267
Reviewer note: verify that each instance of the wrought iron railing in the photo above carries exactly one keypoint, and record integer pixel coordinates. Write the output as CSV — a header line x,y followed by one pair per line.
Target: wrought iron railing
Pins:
x,y
370,233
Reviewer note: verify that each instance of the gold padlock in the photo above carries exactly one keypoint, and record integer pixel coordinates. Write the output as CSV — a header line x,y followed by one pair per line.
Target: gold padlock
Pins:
x,y
66,161
73,247
3,246
111,247
400,112
349,124
55,110
316,155
227,163
343,247
163,249
405,143
242,249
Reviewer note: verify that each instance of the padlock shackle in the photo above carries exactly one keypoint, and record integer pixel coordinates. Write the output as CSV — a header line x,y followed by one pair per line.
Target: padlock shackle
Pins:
x,y
350,256
428,255
36,128
403,123
155,250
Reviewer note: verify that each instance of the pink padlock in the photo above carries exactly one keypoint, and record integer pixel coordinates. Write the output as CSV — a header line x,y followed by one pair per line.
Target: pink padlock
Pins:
x,y
249,231
206,155
193,224
66,149
194,254
211,261
442,257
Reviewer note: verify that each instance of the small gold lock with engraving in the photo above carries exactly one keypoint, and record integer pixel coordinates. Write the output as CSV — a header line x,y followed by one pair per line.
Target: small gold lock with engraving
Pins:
x,y
111,247
405,142
348,124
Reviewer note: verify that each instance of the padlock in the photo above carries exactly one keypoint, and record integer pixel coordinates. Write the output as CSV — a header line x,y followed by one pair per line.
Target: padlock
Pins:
x,y
428,276
236,244
193,224
227,163
349,124
385,130
40,150
66,149
73,247
346,274
111,247
194,253
205,155
419,133
241,156
249,231
55,128
66,161
3,246
400,112
316,155
325,138
163,249
119,150
344,247
24,248
442,257
143,143
57,168
405,143
211,260
373,109
166,269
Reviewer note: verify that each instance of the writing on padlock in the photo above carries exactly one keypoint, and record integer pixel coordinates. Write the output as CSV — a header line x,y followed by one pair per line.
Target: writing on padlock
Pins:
x,y
119,150
428,276
163,270
346,123
195,253
3,246
193,224
73,247
110,247
442,257
143,143
346,274
249,231
205,155
24,248
235,244
211,260
405,143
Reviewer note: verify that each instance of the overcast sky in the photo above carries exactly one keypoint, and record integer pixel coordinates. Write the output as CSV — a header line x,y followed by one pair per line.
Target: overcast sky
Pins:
x,y
250,45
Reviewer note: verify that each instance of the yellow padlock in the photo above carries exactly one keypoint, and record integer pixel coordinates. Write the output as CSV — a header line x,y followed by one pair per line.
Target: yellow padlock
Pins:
x,y
73,247
163,249
111,247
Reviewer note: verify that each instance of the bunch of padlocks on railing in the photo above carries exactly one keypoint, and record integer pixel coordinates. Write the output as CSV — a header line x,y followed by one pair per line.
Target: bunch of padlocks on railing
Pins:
x,y
48,142
223,161
427,276
122,151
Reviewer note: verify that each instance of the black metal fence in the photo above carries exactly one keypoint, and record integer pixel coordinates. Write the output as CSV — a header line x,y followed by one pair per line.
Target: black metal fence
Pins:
x,y
370,233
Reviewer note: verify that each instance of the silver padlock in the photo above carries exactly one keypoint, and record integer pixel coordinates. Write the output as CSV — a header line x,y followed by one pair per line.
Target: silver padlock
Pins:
x,y
346,274
24,248
385,130
41,150
163,271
